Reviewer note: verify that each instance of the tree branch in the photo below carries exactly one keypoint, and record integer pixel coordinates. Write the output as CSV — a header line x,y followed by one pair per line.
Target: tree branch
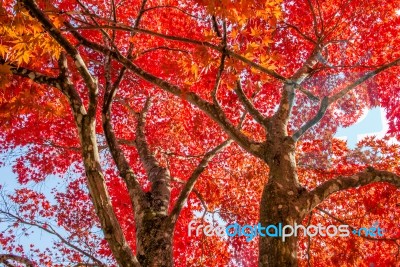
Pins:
x,y
288,94
86,128
35,76
322,109
362,79
158,176
189,185
213,111
218,80
149,161
353,228
315,22
135,191
370,175
299,32
90,82
184,40
328,101
4,258
50,230
248,105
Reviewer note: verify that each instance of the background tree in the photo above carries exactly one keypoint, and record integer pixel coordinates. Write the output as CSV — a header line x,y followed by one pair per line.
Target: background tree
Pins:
x,y
158,90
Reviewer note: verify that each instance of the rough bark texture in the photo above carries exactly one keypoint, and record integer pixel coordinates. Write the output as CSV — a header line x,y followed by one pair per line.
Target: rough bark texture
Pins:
x,y
154,240
277,207
280,194
101,200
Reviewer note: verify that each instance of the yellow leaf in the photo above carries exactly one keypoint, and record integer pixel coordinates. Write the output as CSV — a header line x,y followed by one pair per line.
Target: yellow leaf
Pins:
x,y
25,56
278,13
249,56
254,45
3,50
57,21
19,28
234,33
254,32
20,47
195,70
267,40
36,28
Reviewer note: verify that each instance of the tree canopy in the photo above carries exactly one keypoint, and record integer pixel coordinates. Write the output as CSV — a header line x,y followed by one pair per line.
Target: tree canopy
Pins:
x,y
150,114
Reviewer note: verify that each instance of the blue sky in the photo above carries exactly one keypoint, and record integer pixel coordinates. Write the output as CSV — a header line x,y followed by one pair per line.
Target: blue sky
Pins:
x,y
373,122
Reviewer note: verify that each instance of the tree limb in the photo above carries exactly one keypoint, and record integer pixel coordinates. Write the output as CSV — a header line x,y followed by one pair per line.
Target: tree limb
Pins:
x,y
189,185
4,258
85,121
184,40
327,101
362,79
248,105
50,230
90,82
218,80
213,111
322,109
353,228
158,176
300,33
35,76
323,191
135,191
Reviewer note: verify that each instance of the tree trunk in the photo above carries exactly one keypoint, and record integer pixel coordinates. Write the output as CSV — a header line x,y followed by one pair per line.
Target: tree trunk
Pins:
x,y
277,210
154,241
279,204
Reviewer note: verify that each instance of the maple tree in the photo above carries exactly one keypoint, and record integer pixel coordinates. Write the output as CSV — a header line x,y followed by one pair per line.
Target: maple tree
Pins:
x,y
157,113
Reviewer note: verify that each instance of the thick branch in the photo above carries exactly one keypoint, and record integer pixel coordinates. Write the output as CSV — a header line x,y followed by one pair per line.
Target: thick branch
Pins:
x,y
288,94
4,258
188,188
101,200
302,73
362,79
96,183
322,109
32,75
213,111
86,128
90,82
370,175
149,161
157,175
135,191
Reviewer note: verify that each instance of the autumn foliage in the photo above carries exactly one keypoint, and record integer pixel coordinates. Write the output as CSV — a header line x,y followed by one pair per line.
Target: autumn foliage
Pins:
x,y
204,92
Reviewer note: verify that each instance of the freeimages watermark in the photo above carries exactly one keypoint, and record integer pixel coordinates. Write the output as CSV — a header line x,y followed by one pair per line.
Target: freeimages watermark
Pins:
x,y
282,231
